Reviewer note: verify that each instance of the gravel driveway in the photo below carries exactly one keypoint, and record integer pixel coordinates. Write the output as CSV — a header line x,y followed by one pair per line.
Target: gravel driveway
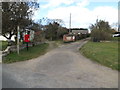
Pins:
x,y
63,67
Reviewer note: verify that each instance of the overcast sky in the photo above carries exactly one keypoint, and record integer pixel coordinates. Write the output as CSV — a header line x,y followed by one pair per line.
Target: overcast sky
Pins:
x,y
83,12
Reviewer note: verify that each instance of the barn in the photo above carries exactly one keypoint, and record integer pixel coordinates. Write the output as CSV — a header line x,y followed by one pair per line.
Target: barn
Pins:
x,y
75,34
79,31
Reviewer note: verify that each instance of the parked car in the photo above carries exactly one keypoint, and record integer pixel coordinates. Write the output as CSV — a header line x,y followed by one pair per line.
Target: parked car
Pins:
x,y
69,38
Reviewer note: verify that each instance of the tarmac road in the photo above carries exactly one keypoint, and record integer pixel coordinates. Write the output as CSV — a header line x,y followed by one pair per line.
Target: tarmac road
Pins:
x,y
63,67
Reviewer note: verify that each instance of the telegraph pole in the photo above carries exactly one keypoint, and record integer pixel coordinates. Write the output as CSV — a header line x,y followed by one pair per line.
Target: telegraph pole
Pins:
x,y
18,36
119,16
70,23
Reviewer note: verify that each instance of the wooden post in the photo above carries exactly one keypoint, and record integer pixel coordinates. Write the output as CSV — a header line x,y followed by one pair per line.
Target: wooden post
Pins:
x,y
70,24
18,40
27,45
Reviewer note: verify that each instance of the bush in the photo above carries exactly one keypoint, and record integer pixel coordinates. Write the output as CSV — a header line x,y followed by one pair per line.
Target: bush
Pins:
x,y
99,35
101,31
39,36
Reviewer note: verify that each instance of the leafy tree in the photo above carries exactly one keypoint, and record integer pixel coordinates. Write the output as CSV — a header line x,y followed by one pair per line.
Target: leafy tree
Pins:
x,y
39,36
101,30
53,28
61,31
47,21
39,33
51,31
16,14
35,26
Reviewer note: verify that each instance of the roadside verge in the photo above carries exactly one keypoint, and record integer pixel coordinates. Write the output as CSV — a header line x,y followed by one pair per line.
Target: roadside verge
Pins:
x,y
32,52
104,53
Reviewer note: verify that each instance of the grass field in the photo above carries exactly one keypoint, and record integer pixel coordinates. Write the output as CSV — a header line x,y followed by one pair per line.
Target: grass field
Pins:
x,y
115,38
105,53
33,52
3,45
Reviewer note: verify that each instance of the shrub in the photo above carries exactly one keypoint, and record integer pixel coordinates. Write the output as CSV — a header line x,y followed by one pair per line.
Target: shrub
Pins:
x,y
101,31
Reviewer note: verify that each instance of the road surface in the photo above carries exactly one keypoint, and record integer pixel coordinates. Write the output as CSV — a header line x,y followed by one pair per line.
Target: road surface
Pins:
x,y
63,67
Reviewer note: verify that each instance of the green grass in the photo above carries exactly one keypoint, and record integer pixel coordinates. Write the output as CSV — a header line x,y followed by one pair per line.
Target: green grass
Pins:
x,y
59,42
3,45
105,53
115,38
33,52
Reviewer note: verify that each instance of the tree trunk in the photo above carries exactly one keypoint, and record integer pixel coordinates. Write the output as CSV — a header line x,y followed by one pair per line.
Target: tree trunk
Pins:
x,y
51,38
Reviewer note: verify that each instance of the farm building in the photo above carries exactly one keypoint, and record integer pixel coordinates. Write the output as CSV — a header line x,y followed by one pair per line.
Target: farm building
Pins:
x,y
79,31
75,34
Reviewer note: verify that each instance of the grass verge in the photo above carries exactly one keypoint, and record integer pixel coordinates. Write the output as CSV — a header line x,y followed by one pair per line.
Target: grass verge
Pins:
x,y
115,39
105,53
3,45
59,42
54,44
33,52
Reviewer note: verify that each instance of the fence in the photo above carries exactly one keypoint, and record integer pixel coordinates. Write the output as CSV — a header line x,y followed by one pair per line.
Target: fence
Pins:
x,y
13,48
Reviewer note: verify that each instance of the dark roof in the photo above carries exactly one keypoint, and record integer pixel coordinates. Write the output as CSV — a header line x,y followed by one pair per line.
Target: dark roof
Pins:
x,y
117,33
79,29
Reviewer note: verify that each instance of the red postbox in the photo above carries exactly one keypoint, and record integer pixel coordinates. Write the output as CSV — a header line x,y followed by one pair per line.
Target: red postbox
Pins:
x,y
26,38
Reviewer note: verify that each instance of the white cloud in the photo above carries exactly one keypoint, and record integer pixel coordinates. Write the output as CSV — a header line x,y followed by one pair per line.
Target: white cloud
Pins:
x,y
36,14
54,3
83,3
106,13
82,16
